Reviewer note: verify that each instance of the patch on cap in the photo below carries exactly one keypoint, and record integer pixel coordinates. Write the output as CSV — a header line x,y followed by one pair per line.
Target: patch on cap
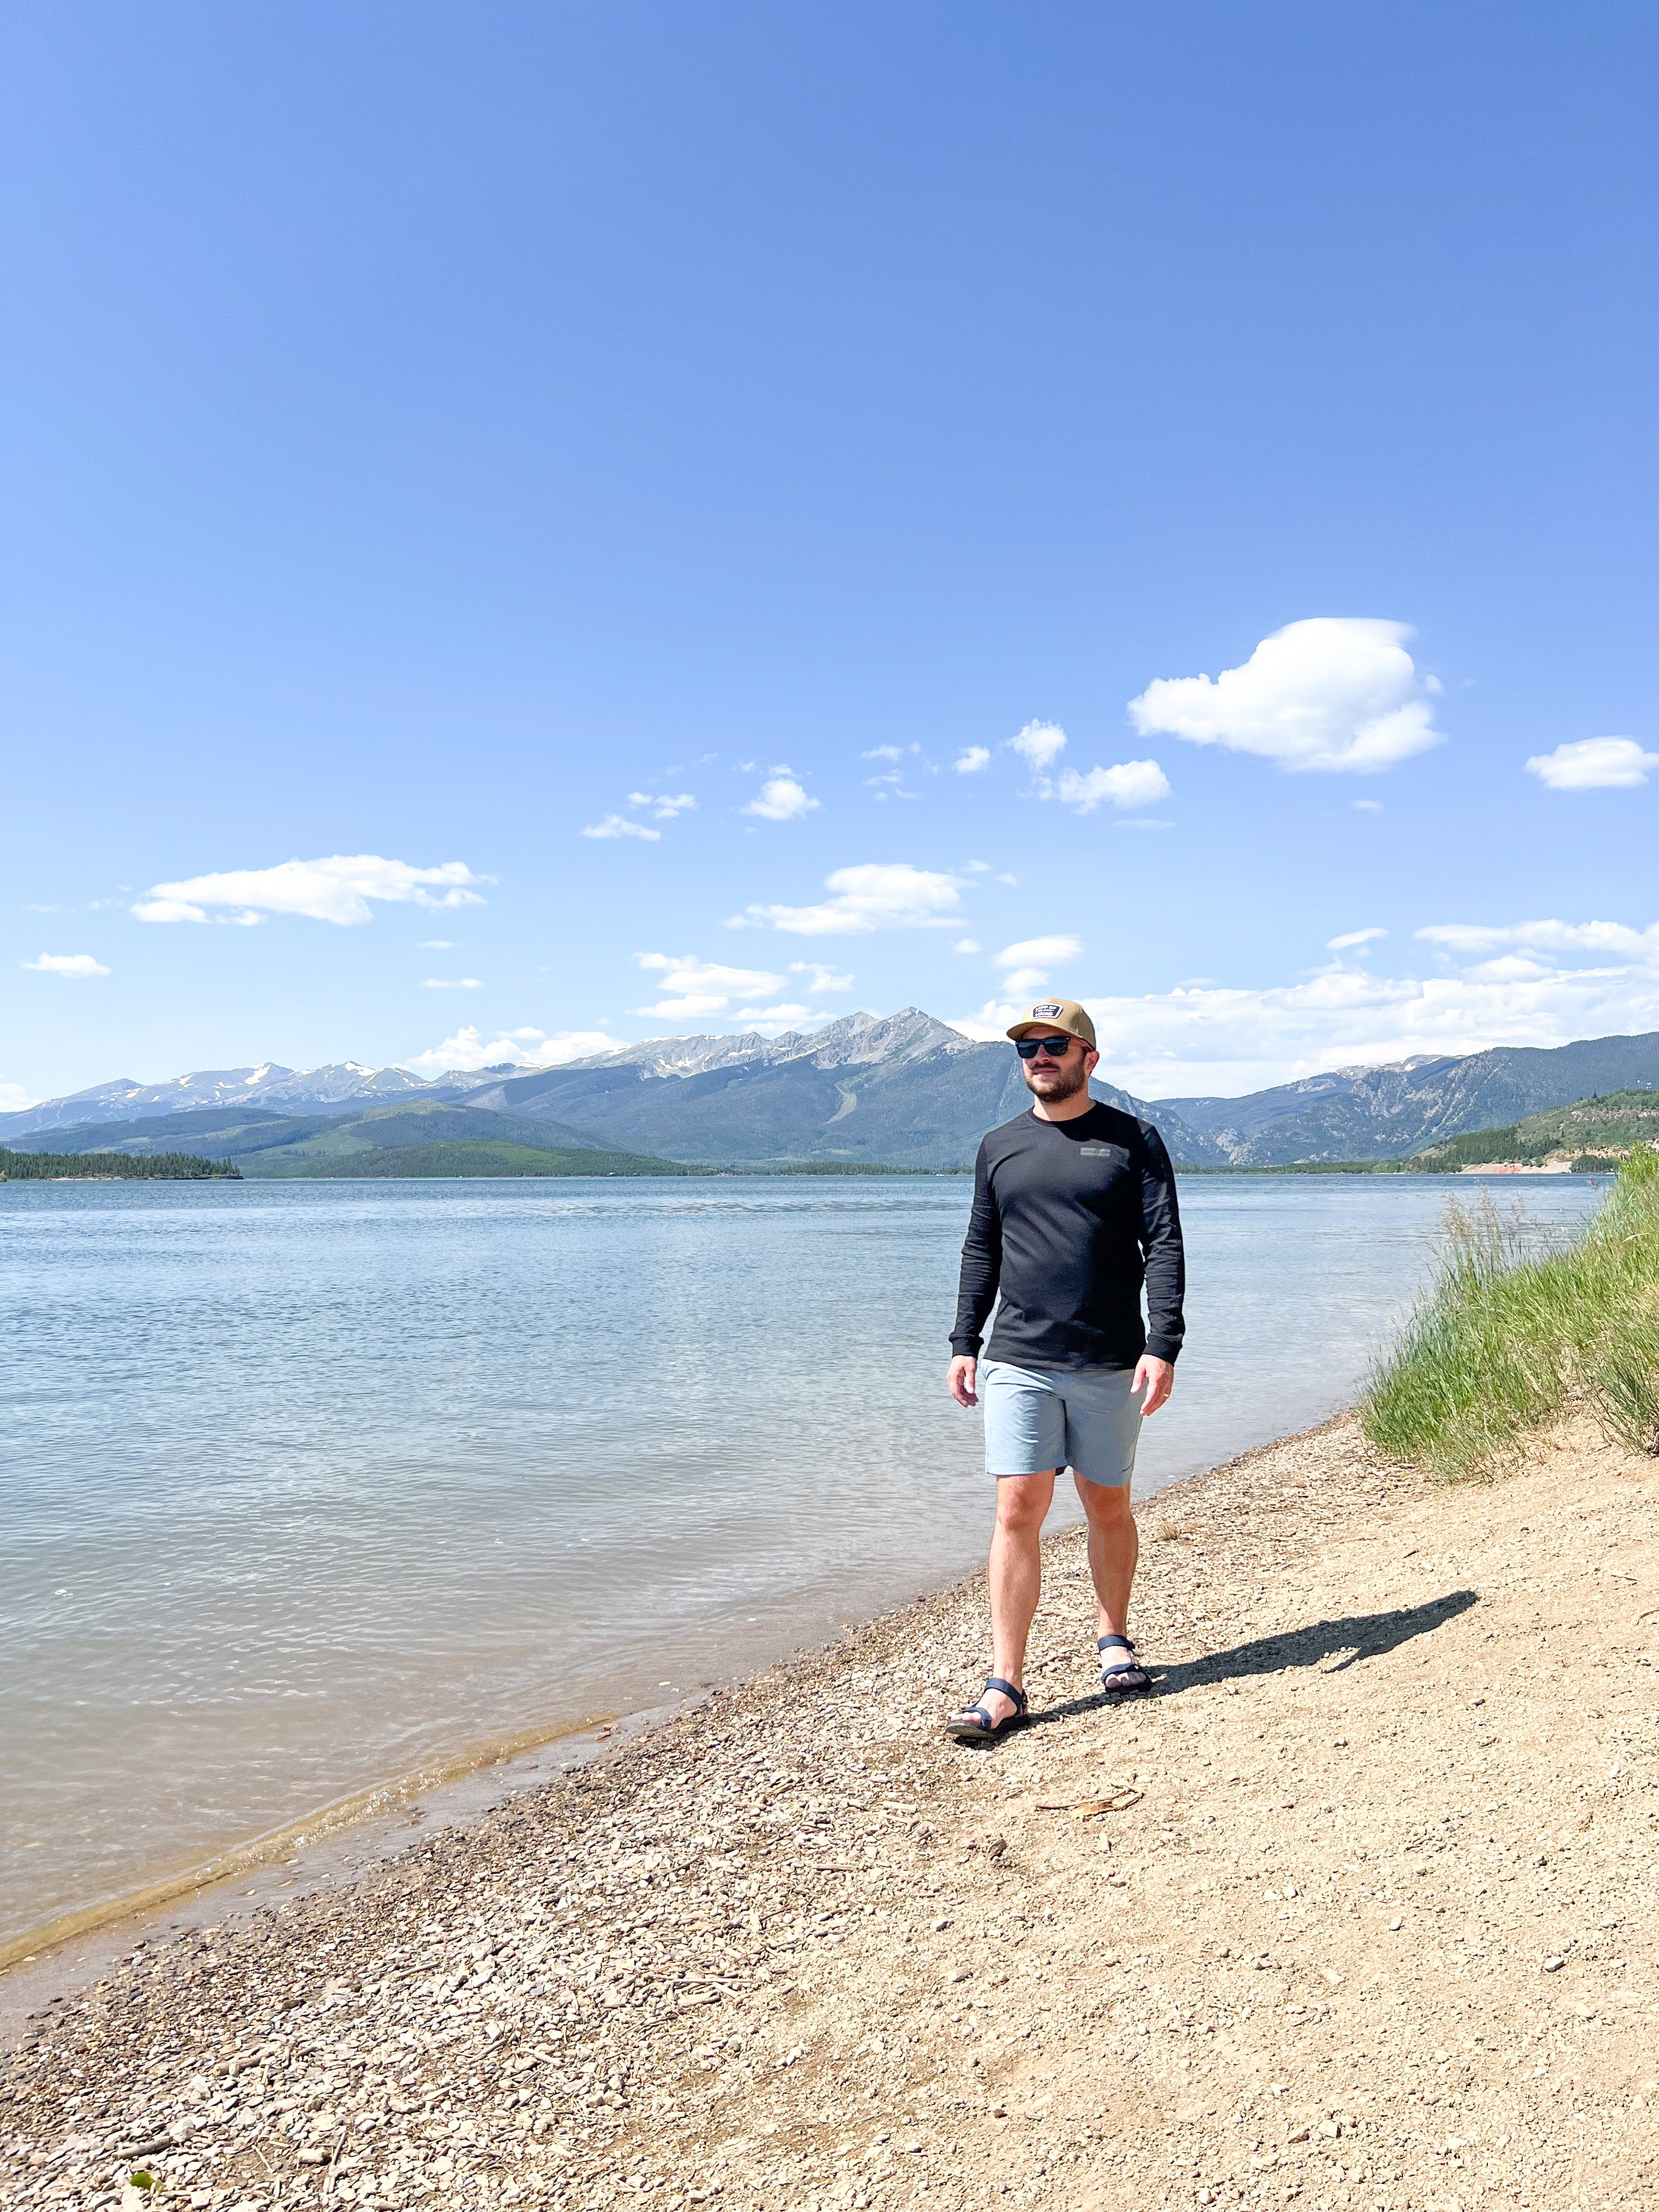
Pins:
x,y
1050,1010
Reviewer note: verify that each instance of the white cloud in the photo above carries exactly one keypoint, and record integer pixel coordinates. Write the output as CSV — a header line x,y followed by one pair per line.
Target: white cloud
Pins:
x,y
889,752
469,1048
1594,764
337,890
75,965
1039,744
665,807
1367,806
966,945
618,825
461,983
1604,940
1043,949
971,759
781,799
687,973
436,944
1351,938
893,896
1026,965
823,979
698,988
14,1099
775,1017
1527,983
1336,693
1131,783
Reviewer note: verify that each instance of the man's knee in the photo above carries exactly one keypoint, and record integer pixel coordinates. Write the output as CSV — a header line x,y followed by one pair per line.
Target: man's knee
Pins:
x,y
1107,1504
1023,1502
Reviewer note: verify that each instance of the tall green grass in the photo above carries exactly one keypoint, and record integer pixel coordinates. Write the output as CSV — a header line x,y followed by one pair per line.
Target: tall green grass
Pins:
x,y
1502,1339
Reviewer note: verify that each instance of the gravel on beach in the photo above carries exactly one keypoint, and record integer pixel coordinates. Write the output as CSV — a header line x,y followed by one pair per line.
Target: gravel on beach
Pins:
x,y
1358,1907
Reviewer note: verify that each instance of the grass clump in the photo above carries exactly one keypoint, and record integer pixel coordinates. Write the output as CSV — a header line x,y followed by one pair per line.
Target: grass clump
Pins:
x,y
1502,1338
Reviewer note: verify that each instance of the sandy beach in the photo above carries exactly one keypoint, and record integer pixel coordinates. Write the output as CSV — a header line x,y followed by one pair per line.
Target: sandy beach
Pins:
x,y
1357,1908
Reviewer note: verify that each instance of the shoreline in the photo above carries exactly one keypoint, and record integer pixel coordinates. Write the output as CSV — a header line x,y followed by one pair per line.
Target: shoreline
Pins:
x,y
1353,1909
449,1786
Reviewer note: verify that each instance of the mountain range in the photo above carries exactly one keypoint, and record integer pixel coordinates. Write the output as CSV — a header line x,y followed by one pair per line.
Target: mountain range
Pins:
x,y
902,1090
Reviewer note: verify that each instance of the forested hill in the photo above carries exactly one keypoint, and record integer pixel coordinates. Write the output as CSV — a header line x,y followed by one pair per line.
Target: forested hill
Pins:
x,y
114,1167
1599,1132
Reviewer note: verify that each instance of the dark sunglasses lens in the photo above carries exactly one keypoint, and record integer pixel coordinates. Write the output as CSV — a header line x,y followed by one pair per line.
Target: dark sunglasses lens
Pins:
x,y
1029,1047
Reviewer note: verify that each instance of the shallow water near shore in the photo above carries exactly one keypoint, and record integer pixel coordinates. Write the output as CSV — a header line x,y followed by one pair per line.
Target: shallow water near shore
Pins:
x,y
309,1485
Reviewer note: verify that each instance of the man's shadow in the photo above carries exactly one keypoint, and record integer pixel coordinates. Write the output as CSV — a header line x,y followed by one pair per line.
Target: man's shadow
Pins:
x,y
1358,1636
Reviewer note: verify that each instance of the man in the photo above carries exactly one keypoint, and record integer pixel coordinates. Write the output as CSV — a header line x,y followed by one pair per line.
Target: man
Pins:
x,y
1074,1207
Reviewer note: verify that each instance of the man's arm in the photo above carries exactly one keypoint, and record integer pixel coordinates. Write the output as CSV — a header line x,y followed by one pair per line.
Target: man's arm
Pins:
x,y
1165,1259
976,1289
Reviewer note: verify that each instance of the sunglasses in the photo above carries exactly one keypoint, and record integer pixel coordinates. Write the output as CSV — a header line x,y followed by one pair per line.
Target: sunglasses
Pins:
x,y
1056,1047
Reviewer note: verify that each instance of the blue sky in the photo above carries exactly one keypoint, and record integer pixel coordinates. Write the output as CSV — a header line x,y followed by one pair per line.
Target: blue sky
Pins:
x,y
434,436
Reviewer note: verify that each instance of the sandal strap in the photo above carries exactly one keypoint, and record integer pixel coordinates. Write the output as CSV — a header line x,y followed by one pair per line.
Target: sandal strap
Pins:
x,y
996,1682
1103,1642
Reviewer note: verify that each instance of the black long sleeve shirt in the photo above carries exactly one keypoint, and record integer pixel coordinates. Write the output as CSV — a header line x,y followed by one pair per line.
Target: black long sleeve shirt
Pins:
x,y
1069,1219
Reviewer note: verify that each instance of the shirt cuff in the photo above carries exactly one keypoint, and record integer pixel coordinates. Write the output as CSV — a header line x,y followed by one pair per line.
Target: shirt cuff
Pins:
x,y
1164,1347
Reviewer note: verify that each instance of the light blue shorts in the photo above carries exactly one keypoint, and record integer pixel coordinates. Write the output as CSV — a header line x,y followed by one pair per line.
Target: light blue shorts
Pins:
x,y
1083,1417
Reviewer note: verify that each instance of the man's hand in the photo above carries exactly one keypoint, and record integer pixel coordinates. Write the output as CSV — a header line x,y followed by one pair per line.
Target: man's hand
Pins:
x,y
1155,1376
963,1376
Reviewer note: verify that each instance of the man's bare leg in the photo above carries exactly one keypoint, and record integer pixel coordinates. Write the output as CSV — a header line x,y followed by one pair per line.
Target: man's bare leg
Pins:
x,y
1114,1550
1016,1578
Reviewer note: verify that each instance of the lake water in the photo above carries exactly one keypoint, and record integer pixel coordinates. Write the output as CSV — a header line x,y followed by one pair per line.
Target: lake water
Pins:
x,y
307,1485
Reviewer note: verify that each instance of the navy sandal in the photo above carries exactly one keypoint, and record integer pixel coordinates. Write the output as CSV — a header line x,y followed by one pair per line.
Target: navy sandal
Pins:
x,y
1127,1673
976,1726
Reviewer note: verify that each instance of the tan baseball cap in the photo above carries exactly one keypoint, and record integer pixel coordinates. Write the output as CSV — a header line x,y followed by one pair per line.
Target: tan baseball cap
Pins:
x,y
1058,1014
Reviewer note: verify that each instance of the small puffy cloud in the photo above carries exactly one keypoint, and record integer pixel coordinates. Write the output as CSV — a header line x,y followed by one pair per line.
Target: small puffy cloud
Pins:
x,y
1367,806
889,752
1594,764
971,759
469,1048
823,979
1353,940
1039,744
618,825
781,799
14,1099
1339,693
876,895
1043,949
76,966
1131,783
664,806
1026,965
337,890
460,984
966,945
697,988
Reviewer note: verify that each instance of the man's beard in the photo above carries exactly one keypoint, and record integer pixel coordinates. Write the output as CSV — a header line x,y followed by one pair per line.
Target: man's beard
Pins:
x,y
1075,1075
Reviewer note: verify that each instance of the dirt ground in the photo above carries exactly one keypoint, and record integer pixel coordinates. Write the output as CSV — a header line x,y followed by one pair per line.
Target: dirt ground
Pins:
x,y
1357,1908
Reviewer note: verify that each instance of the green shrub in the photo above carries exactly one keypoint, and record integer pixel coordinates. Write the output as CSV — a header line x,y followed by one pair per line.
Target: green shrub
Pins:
x,y
1501,1338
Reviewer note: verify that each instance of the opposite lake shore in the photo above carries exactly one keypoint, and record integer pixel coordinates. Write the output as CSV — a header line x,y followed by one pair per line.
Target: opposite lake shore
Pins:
x,y
1356,1908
